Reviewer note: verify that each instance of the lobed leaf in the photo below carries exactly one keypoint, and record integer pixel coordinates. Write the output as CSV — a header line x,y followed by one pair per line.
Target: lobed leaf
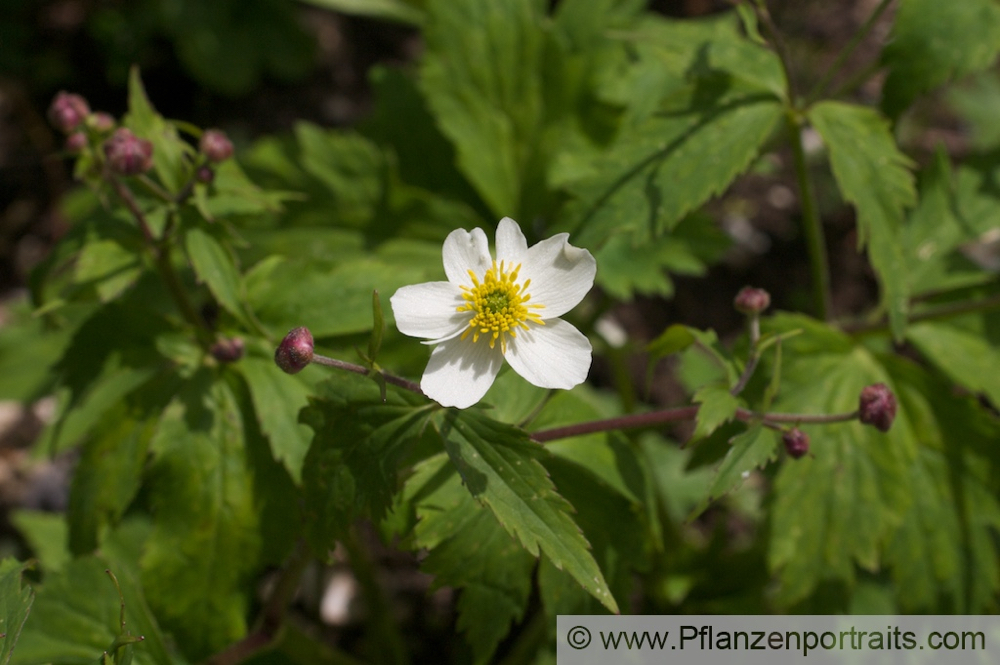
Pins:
x,y
15,604
500,468
875,177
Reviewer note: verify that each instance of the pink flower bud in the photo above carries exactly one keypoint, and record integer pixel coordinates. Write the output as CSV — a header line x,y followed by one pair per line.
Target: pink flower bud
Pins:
x,y
796,442
127,154
216,145
295,351
877,406
68,111
76,142
204,174
751,300
228,350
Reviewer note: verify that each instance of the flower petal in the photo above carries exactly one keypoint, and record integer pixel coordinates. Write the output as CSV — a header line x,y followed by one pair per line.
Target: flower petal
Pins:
x,y
464,251
555,355
560,274
429,310
460,372
511,244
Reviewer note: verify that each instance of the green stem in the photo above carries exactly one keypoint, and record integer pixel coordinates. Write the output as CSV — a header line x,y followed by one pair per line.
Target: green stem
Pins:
x,y
812,225
846,52
946,311
384,633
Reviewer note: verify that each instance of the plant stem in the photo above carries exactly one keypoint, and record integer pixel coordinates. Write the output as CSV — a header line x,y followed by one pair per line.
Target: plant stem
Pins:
x,y
682,413
930,314
846,52
812,225
406,384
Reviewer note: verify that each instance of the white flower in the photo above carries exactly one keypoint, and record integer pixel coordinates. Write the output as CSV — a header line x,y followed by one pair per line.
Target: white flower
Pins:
x,y
491,309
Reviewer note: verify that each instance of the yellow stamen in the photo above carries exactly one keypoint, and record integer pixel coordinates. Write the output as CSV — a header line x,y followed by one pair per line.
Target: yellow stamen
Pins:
x,y
500,305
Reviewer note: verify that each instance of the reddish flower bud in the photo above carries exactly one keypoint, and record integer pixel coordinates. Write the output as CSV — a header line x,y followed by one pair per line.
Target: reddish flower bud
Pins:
x,y
796,442
204,174
76,142
216,145
295,351
68,111
128,154
101,122
877,406
228,350
751,300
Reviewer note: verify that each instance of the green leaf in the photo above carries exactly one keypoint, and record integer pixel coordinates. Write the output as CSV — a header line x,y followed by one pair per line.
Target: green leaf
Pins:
x,y
500,467
835,508
717,406
15,603
351,468
378,328
277,400
108,474
109,267
632,265
966,356
674,339
169,151
645,182
216,267
752,449
332,300
934,42
481,76
47,534
875,177
233,193
404,11
470,550
204,542
75,618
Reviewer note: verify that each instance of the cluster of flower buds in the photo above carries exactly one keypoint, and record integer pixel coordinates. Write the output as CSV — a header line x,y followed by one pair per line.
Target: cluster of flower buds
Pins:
x,y
295,351
68,112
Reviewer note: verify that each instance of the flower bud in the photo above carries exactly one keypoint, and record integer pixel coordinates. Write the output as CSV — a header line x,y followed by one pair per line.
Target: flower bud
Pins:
x,y
215,145
228,350
101,122
751,300
295,351
68,111
76,142
877,406
204,175
796,442
127,154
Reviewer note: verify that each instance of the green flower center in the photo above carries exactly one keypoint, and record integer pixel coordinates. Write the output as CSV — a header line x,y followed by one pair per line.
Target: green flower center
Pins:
x,y
499,304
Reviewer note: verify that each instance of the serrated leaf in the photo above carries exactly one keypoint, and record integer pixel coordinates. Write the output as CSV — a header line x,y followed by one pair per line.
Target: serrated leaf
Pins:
x,y
717,406
277,400
645,182
933,42
351,468
966,356
15,603
481,76
834,508
108,267
470,550
748,451
205,540
168,148
674,339
875,177
233,193
216,267
500,467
